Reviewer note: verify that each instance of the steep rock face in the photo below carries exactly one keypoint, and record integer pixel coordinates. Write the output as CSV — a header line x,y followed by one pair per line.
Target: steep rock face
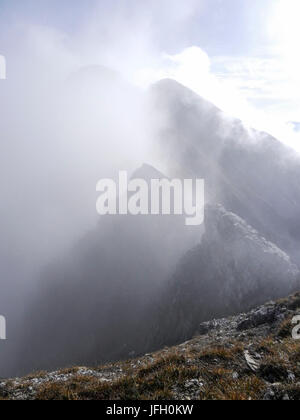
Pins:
x,y
233,270
249,172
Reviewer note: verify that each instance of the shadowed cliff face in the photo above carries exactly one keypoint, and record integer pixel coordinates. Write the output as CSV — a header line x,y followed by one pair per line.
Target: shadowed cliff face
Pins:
x,y
233,270
249,172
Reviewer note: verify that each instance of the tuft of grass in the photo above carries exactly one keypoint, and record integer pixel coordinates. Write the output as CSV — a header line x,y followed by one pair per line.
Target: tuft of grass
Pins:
x,y
38,375
68,371
220,353
226,388
273,372
285,329
292,302
69,390
55,392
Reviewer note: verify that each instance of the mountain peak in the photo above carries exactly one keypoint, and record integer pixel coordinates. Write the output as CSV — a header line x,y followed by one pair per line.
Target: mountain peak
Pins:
x,y
147,172
172,89
94,74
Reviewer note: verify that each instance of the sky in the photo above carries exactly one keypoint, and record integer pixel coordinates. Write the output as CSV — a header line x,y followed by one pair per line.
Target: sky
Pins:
x,y
241,55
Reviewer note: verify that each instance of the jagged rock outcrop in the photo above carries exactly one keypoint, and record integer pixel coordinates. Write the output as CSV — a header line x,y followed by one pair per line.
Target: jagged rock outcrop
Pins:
x,y
249,172
233,270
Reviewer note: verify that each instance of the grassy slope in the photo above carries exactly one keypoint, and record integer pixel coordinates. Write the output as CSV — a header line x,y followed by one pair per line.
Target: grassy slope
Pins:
x,y
211,366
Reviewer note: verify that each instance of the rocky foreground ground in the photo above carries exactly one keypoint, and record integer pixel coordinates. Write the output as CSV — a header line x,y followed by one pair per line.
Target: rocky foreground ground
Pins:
x,y
247,357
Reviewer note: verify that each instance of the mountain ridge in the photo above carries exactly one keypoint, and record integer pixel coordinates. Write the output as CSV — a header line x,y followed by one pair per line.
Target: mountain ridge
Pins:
x,y
117,273
250,173
233,270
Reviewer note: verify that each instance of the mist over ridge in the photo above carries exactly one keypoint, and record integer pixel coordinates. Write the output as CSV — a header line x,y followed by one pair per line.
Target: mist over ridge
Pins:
x,y
79,289
112,283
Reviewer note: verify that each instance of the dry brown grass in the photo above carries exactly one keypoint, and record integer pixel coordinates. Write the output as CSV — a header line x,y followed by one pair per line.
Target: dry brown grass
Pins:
x,y
221,369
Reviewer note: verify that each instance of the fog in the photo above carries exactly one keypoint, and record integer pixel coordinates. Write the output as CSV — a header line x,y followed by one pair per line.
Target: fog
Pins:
x,y
69,116
76,288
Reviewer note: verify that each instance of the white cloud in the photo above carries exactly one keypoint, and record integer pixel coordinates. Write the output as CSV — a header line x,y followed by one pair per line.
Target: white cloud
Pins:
x,y
257,90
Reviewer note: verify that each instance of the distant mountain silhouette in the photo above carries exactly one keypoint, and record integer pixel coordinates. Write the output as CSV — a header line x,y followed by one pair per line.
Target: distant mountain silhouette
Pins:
x,y
97,304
